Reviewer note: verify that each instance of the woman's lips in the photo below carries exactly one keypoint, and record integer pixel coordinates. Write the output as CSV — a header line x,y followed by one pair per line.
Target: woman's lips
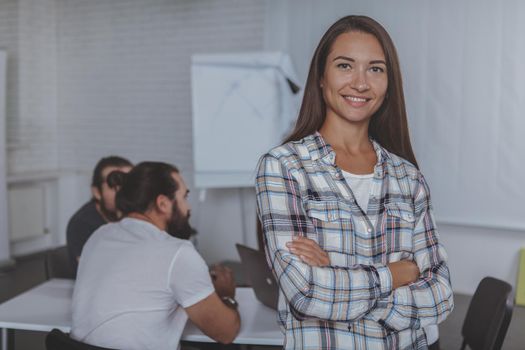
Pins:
x,y
356,101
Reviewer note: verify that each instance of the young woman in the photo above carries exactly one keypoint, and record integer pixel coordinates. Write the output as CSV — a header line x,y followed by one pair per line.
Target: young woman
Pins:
x,y
347,219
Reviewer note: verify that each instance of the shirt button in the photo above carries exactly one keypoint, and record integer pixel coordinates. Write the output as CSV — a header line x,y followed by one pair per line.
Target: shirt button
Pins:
x,y
369,230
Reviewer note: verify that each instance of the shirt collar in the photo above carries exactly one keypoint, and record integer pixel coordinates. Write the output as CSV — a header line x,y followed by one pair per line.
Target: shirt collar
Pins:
x,y
142,227
320,149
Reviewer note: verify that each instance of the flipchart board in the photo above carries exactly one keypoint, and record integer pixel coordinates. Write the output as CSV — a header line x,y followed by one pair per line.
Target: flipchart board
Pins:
x,y
243,105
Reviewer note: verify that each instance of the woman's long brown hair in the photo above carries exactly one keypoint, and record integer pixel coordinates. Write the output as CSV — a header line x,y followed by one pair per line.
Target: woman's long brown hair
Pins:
x,y
388,125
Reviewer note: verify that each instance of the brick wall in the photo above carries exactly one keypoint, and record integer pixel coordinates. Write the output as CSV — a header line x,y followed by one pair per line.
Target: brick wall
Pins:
x,y
124,73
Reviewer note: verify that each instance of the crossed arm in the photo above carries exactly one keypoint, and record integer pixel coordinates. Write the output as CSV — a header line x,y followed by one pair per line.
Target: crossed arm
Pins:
x,y
396,295
409,306
327,293
403,272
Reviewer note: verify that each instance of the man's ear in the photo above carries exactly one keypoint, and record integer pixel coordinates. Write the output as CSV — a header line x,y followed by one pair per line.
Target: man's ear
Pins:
x,y
95,192
163,204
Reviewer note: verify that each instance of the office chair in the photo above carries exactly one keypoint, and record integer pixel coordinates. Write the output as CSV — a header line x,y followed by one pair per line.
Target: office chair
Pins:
x,y
58,340
58,264
488,315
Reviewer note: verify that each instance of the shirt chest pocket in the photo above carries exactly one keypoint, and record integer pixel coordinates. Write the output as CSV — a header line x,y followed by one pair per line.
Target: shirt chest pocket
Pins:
x,y
399,221
332,221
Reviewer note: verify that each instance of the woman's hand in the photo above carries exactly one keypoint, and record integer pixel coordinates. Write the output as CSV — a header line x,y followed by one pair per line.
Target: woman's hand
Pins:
x,y
308,251
403,273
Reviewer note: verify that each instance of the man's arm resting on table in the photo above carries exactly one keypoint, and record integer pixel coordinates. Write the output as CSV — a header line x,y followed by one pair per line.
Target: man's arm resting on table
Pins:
x,y
215,319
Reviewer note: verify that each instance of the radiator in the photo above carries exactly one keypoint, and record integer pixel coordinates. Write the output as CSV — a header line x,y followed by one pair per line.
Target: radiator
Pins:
x,y
27,212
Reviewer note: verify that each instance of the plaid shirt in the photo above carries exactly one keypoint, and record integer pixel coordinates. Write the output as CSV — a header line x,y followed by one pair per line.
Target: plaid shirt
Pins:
x,y
351,304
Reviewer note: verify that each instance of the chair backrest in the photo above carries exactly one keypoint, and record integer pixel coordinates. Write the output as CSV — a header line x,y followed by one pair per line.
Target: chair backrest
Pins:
x,y
58,340
58,264
488,315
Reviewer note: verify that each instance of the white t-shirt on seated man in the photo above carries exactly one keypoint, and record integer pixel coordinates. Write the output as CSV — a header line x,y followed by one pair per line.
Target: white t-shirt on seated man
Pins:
x,y
137,284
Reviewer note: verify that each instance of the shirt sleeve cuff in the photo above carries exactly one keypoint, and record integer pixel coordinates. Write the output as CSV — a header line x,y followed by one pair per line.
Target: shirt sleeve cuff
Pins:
x,y
385,281
197,298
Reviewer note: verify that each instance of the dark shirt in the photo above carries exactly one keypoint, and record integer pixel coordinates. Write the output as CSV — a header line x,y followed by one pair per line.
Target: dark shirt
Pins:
x,y
80,227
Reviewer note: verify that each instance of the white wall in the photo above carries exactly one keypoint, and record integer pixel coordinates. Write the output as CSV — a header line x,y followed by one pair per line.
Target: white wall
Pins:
x,y
93,78
30,40
124,77
27,34
124,87
4,241
476,252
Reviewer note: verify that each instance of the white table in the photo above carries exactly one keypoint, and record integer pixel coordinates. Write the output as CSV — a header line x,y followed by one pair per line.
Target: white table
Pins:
x,y
48,306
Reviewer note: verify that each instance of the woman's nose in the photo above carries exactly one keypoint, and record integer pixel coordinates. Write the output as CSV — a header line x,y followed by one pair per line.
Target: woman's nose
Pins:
x,y
359,81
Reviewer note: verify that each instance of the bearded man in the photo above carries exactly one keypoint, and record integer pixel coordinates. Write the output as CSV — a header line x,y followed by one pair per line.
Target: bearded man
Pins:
x,y
98,211
140,279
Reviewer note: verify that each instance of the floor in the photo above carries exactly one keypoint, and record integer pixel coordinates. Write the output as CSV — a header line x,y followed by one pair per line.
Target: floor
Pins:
x,y
29,271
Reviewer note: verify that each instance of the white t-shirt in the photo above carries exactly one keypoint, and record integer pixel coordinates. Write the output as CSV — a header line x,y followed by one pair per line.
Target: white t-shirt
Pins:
x,y
360,186
132,285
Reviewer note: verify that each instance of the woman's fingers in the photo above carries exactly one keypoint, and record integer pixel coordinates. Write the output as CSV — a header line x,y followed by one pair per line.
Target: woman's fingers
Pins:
x,y
301,250
309,251
308,245
309,261
307,255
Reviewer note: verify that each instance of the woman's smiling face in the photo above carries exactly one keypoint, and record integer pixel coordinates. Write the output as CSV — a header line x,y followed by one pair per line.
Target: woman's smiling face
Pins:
x,y
355,79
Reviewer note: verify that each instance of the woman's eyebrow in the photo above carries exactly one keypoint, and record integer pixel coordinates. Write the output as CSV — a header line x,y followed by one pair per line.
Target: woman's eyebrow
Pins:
x,y
352,60
344,58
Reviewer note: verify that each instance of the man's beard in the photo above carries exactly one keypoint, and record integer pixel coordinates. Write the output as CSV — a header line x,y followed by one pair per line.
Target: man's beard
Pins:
x,y
110,215
179,225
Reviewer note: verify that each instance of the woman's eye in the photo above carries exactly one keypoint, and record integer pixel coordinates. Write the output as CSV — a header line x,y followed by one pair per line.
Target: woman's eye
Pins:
x,y
344,66
377,69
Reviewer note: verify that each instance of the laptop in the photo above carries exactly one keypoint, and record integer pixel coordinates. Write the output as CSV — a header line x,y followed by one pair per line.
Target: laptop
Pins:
x,y
259,275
